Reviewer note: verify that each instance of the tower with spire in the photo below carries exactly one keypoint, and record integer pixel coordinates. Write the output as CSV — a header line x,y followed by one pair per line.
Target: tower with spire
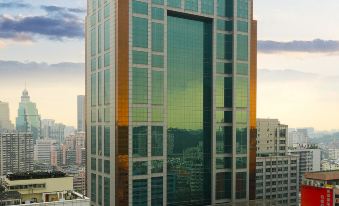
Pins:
x,y
28,119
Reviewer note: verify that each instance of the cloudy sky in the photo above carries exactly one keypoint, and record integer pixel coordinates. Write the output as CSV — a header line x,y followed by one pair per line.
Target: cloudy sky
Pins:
x,y
41,42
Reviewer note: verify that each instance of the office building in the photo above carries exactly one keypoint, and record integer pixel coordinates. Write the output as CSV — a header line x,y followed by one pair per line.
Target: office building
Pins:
x,y
44,188
162,115
16,152
5,122
28,119
309,160
277,176
81,113
271,137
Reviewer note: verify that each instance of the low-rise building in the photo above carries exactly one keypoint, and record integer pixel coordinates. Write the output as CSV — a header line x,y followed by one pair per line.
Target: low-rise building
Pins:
x,y
44,188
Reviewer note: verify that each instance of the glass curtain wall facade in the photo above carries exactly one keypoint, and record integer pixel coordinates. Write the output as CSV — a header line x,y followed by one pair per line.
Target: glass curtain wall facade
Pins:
x,y
168,101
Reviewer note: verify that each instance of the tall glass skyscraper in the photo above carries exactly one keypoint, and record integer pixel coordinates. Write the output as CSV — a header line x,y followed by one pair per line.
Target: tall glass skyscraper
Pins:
x,y
28,119
168,102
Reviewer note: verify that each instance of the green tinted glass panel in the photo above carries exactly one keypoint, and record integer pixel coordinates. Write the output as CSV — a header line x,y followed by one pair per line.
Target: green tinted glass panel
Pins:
x,y
107,141
242,69
191,5
157,87
99,38
241,117
174,3
207,6
241,185
224,68
107,36
140,32
224,162
139,193
93,140
157,37
100,141
157,140
241,91
241,162
99,62
93,164
93,42
107,85
224,46
224,92
93,20
140,141
140,7
139,114
107,117
224,116
243,26
107,191
139,85
107,166
160,2
100,90
100,189
157,13
93,64
140,168
223,186
157,166
158,61
224,140
93,187
157,191
225,8
100,165
157,114
224,25
189,82
140,57
107,10
242,9
241,140
107,59
242,47
93,89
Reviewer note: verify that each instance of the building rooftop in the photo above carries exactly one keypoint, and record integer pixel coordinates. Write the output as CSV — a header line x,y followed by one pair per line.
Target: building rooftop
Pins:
x,y
35,175
324,175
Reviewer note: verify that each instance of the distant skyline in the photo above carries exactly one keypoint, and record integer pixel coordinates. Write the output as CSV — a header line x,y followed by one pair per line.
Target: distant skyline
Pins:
x,y
298,59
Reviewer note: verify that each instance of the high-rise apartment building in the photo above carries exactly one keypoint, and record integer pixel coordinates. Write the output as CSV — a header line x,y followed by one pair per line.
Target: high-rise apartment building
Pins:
x,y
168,102
5,122
277,174
81,113
271,137
16,152
52,130
28,119
43,151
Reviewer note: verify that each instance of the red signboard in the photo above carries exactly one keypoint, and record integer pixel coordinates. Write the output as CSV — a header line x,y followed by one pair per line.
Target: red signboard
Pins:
x,y
316,196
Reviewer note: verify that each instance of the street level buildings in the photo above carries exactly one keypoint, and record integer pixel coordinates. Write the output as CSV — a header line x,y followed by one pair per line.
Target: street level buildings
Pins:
x,y
16,152
168,102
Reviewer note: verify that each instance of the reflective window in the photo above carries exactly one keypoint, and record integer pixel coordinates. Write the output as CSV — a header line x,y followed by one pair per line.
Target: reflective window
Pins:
x,y
93,163
93,89
107,10
174,3
241,140
191,5
107,141
140,32
160,2
107,166
224,185
224,68
241,185
157,166
224,116
99,38
93,42
107,35
107,85
157,191
224,25
157,114
140,57
224,140
224,162
242,69
224,92
100,189
158,61
107,59
107,191
225,46
157,37
207,6
241,162
139,114
242,47
93,187
140,7
99,140
157,140
157,88
241,91
140,192
243,26
157,13
225,8
140,168
140,141
243,9
139,85
100,90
